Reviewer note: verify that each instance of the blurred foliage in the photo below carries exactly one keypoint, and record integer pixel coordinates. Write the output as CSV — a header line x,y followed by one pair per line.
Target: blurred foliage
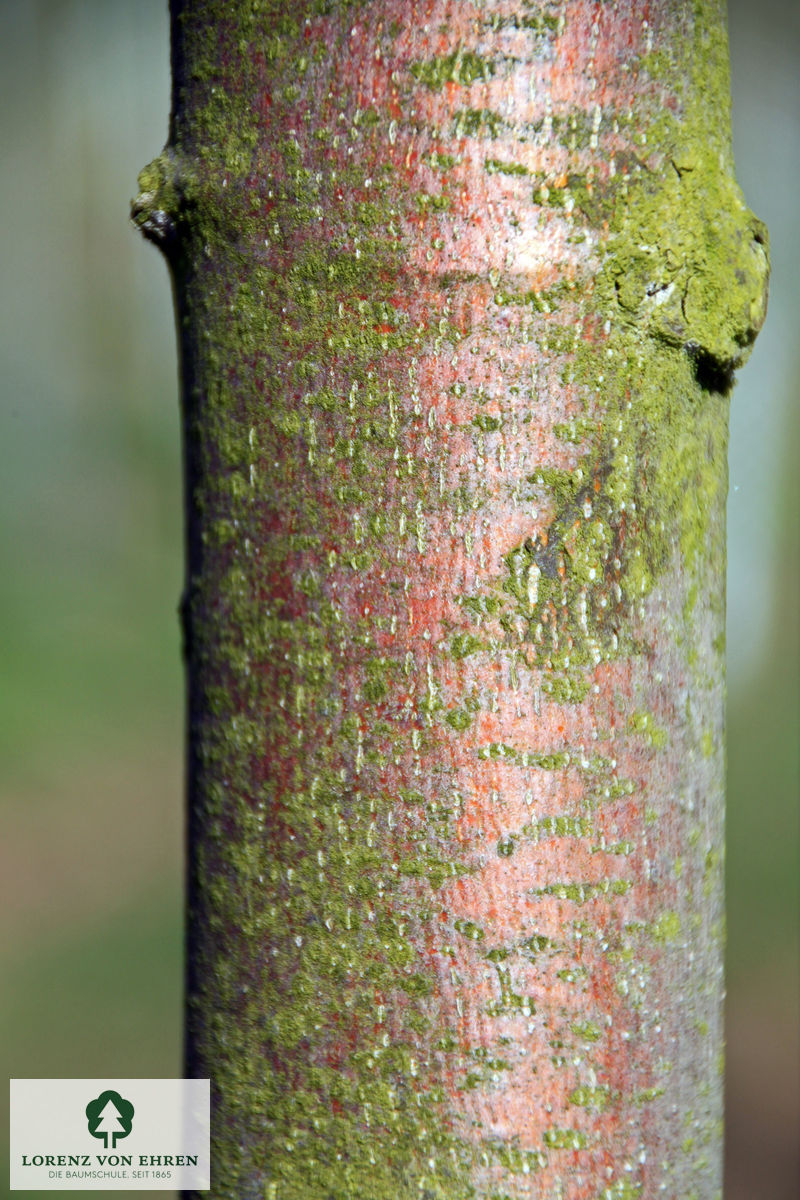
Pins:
x,y
90,529
763,816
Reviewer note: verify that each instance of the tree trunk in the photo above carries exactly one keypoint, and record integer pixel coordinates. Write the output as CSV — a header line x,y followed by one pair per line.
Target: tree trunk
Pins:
x,y
461,288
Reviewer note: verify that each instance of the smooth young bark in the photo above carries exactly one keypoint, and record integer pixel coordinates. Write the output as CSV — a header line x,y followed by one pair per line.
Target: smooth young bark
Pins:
x,y
461,289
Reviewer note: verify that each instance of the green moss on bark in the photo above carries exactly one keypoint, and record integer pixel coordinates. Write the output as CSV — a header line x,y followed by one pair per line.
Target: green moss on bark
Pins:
x,y
309,993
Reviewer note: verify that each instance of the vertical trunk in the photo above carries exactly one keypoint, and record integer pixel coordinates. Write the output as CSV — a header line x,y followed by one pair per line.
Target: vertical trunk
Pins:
x,y
461,288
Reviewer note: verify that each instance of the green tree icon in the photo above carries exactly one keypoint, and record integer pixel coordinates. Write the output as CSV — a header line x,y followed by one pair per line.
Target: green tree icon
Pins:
x,y
109,1116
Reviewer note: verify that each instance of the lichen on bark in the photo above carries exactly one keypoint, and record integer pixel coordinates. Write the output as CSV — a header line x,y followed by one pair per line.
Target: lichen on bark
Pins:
x,y
461,289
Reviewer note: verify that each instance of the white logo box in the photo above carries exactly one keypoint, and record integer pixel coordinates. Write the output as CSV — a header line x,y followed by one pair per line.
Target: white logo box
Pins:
x,y
148,1135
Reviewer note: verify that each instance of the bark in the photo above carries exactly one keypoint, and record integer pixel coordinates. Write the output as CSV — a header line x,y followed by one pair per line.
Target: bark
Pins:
x,y
461,289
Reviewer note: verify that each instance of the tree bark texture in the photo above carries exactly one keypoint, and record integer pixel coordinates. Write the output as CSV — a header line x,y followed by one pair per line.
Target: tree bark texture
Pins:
x,y
461,289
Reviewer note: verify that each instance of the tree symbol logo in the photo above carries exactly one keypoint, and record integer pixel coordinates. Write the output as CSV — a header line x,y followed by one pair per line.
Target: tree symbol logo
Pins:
x,y
109,1116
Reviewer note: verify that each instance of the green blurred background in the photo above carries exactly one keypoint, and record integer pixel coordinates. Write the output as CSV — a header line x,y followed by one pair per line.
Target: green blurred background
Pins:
x,y
90,535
